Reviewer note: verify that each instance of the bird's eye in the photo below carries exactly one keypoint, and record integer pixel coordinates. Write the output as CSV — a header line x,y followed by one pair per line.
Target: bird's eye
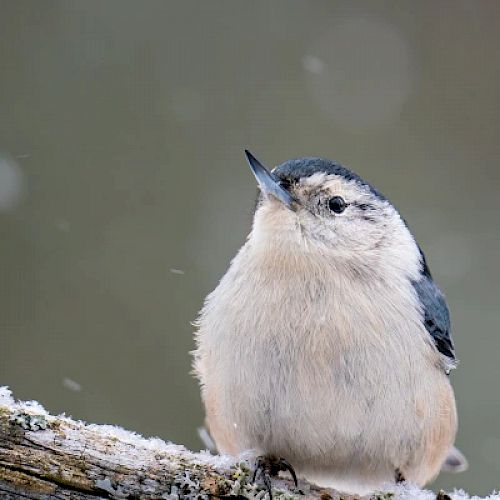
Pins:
x,y
337,204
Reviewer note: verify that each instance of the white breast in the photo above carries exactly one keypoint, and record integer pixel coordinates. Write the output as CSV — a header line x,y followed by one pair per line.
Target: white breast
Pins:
x,y
331,370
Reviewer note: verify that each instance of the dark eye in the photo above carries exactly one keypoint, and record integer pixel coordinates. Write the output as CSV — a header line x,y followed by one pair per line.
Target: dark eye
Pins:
x,y
337,204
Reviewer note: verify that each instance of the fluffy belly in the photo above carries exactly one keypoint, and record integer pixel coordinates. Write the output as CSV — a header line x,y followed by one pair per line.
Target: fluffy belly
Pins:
x,y
333,414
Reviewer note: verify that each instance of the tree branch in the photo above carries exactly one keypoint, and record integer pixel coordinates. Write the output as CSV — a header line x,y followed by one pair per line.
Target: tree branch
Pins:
x,y
54,457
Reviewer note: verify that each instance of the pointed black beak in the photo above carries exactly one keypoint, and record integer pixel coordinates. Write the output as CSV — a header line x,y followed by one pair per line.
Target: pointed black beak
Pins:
x,y
267,182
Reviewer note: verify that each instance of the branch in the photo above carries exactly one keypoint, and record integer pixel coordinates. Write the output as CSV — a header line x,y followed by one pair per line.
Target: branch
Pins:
x,y
54,457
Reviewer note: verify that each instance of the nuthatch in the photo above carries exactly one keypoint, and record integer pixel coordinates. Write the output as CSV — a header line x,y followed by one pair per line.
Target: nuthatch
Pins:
x,y
327,343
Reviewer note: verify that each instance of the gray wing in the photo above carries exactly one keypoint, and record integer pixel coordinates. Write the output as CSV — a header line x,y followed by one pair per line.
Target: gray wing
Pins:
x,y
436,313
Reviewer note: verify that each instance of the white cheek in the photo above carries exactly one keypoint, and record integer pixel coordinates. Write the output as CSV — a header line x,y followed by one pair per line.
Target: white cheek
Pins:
x,y
345,238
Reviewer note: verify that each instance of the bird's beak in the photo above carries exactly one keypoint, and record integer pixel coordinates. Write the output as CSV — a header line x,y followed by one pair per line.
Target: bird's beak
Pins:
x,y
267,182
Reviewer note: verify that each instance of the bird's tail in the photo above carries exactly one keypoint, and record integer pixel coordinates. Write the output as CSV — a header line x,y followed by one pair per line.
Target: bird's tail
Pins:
x,y
455,461
207,439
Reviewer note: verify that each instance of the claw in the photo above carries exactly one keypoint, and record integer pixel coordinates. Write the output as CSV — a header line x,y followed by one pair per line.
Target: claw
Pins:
x,y
268,485
263,469
258,467
286,466
399,476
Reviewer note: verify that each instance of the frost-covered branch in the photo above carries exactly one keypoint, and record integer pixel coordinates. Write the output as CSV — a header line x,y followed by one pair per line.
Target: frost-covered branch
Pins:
x,y
54,457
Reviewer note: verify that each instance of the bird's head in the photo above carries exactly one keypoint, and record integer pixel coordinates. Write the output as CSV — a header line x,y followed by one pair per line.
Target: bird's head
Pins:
x,y
318,207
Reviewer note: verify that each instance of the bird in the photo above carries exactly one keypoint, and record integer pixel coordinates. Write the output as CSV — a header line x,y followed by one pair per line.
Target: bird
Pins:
x,y
326,349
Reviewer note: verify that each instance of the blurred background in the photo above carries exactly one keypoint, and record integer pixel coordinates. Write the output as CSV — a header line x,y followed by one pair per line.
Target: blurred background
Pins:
x,y
124,192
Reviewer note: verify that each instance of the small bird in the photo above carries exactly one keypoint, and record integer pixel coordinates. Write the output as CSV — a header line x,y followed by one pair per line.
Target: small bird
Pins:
x,y
325,349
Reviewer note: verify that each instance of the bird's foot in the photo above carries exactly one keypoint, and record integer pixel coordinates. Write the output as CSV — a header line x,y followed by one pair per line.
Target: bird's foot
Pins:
x,y
268,466
399,476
